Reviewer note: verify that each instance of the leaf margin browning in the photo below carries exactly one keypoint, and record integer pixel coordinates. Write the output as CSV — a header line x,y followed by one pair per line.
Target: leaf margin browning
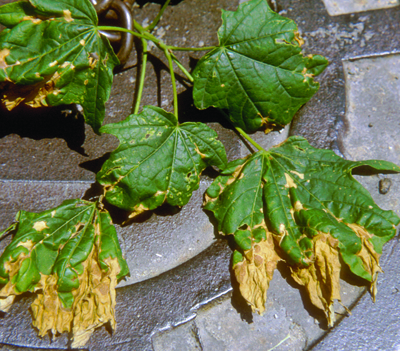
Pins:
x,y
314,225
57,307
87,67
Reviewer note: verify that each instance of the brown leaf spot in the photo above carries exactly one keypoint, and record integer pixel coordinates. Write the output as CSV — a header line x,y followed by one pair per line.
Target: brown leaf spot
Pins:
x,y
298,38
92,61
200,153
34,20
6,303
39,226
300,175
138,210
27,244
289,182
32,95
3,54
67,15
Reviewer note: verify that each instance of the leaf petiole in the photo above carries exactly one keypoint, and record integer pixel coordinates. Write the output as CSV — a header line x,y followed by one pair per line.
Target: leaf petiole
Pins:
x,y
141,77
121,29
182,68
171,70
158,17
177,48
250,140
8,230
243,133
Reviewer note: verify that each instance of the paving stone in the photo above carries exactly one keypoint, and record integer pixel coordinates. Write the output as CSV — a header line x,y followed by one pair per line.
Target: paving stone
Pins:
x,y
342,7
372,124
182,338
221,328
163,242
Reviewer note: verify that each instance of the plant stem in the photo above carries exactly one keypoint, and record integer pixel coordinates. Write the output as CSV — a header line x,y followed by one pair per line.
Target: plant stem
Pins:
x,y
120,29
242,132
183,69
250,140
171,70
177,48
141,77
157,19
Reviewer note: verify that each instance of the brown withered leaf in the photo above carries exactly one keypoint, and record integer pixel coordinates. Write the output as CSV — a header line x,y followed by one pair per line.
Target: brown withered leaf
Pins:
x,y
321,278
255,272
70,257
320,217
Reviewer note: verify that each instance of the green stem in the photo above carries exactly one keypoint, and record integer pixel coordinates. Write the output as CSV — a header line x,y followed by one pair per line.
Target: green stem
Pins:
x,y
177,48
157,19
250,140
141,77
182,68
120,29
242,132
171,71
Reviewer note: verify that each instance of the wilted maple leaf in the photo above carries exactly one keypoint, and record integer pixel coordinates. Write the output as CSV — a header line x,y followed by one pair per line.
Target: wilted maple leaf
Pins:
x,y
70,257
301,205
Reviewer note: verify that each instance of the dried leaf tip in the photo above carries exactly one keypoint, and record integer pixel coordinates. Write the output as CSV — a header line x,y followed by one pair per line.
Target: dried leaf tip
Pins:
x,y
321,278
368,256
255,272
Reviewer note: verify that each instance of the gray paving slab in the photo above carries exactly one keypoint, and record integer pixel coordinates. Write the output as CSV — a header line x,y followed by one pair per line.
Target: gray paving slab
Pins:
x,y
184,337
221,328
343,7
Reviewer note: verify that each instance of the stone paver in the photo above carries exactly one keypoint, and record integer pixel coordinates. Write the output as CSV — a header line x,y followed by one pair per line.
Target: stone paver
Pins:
x,y
373,119
343,7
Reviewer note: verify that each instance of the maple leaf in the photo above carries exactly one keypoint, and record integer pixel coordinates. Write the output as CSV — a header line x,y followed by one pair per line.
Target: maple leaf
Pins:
x,y
157,160
301,205
52,54
257,72
70,257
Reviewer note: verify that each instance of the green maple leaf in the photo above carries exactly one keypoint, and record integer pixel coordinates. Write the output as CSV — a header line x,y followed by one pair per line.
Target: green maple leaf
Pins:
x,y
52,54
157,160
69,256
257,72
302,205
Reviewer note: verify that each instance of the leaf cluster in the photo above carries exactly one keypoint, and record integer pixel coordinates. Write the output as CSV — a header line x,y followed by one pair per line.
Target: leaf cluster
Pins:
x,y
292,203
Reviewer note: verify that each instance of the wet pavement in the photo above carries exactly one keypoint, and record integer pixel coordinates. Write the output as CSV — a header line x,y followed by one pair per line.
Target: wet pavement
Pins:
x,y
179,295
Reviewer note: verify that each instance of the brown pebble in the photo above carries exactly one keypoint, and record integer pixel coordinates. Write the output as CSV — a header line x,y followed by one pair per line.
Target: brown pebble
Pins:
x,y
384,185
